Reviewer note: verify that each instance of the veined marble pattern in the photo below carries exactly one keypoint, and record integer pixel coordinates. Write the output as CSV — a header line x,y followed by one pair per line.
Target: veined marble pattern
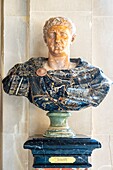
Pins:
x,y
71,89
94,40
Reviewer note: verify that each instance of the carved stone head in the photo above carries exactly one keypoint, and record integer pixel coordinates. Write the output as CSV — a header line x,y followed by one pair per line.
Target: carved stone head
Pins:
x,y
59,21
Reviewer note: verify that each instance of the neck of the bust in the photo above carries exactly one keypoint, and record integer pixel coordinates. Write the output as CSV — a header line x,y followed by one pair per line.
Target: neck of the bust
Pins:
x,y
61,61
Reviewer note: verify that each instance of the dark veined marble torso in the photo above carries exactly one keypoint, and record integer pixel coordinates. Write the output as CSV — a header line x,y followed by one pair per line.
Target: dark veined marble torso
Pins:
x,y
72,89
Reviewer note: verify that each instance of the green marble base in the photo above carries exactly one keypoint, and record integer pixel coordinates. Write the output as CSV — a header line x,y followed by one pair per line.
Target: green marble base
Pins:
x,y
59,125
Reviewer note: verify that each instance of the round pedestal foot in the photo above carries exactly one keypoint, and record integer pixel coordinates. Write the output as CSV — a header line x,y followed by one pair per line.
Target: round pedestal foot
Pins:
x,y
59,125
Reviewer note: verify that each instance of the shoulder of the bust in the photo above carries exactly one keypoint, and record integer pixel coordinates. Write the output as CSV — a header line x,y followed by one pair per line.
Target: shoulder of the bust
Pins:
x,y
80,62
88,64
83,61
36,62
31,65
83,64
36,59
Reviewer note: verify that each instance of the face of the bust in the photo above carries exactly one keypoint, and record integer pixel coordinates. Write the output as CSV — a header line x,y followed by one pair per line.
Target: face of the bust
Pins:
x,y
58,39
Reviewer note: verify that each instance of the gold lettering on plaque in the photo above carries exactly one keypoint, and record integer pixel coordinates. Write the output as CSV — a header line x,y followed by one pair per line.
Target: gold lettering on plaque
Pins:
x,y
62,159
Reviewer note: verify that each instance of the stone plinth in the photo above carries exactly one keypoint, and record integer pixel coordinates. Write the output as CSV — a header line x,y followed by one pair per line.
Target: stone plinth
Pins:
x,y
61,152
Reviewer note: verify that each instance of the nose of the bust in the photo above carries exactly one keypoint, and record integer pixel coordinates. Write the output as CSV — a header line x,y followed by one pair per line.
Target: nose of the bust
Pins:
x,y
57,38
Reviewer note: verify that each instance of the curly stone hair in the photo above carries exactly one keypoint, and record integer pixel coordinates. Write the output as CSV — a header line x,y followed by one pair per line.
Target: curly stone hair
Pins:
x,y
58,21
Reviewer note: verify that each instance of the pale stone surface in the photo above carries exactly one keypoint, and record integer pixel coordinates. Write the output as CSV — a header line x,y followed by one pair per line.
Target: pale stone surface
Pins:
x,y
14,157
15,118
83,39
81,121
111,148
102,44
102,158
64,5
102,116
15,110
31,162
103,7
39,122
16,7
15,32
15,36
1,86
0,69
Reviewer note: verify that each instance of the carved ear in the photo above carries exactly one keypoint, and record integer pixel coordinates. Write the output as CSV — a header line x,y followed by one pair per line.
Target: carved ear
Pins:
x,y
73,38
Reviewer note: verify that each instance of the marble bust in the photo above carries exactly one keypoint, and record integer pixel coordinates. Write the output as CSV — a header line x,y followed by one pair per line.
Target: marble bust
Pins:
x,y
58,82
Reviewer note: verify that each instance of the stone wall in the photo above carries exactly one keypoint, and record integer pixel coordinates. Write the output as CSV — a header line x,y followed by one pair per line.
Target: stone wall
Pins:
x,y
15,109
1,47
23,38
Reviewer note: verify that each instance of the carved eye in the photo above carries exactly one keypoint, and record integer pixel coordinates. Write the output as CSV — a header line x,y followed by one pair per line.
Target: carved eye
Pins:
x,y
51,35
63,34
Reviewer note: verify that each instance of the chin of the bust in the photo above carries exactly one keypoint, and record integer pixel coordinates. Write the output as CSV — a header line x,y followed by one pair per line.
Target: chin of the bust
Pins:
x,y
58,50
58,53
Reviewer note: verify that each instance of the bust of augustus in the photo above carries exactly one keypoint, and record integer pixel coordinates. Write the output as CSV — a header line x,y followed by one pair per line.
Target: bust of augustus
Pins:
x,y
58,82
